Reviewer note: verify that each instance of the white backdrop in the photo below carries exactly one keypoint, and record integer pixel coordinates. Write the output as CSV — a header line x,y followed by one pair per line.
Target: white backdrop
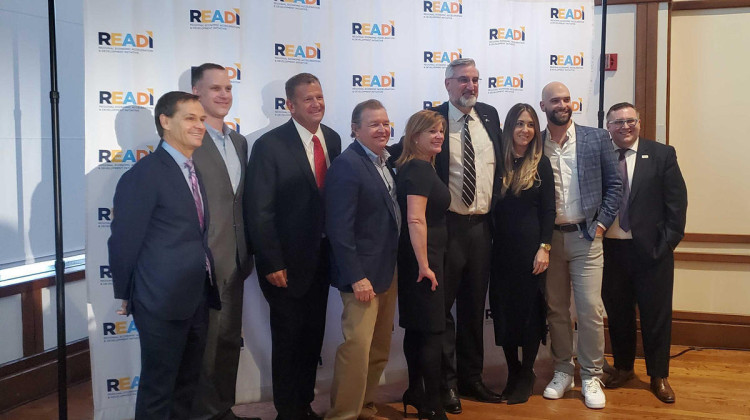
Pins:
x,y
392,50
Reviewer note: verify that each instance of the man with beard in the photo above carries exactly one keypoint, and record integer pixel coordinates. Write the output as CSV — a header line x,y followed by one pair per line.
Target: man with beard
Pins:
x,y
468,164
587,196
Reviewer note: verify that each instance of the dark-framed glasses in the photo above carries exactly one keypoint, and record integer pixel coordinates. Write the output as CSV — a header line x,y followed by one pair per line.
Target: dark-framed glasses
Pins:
x,y
465,80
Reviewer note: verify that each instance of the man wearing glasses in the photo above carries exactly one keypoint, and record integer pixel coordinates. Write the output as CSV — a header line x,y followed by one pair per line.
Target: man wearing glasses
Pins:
x,y
468,164
638,257
587,195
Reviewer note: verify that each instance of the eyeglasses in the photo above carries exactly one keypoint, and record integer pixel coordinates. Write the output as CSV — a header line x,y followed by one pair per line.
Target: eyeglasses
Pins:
x,y
631,122
465,80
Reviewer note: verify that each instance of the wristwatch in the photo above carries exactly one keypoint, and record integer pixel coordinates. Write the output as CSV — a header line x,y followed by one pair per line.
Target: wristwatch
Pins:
x,y
546,247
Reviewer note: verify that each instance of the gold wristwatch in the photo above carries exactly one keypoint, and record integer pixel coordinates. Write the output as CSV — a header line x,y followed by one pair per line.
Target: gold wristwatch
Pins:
x,y
545,247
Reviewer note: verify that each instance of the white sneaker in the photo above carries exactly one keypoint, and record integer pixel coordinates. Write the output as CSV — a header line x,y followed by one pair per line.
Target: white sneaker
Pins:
x,y
560,384
592,392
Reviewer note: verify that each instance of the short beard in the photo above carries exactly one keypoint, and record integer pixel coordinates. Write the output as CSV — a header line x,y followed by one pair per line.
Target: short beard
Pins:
x,y
467,102
556,121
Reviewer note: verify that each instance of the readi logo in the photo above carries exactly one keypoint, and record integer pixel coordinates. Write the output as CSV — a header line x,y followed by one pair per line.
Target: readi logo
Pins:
x,y
439,59
507,36
431,104
209,19
442,9
566,16
279,107
125,42
105,275
297,4
104,217
377,32
122,387
115,331
116,100
505,84
373,83
122,158
296,53
566,62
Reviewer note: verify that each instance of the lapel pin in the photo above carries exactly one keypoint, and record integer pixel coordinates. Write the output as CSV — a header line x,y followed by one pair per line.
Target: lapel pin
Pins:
x,y
644,156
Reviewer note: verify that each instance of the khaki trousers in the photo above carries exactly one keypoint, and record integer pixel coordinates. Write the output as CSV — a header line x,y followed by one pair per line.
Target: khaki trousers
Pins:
x,y
361,358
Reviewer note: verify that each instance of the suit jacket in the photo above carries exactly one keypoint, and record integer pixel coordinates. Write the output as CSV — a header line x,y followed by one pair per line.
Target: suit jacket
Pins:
x,y
226,235
157,250
598,179
284,207
361,222
657,204
491,122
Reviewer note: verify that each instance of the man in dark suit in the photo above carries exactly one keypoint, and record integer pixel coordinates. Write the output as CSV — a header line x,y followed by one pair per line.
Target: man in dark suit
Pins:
x,y
468,164
284,214
638,251
221,161
362,223
587,194
160,260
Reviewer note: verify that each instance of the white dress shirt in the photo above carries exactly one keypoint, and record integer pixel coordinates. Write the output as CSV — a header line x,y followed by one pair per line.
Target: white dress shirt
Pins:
x,y
307,143
568,207
484,162
614,231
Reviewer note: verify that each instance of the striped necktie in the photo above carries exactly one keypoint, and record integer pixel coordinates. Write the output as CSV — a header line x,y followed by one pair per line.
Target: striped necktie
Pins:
x,y
469,187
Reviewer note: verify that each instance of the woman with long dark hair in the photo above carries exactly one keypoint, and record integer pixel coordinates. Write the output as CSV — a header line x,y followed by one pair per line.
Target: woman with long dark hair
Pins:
x,y
523,217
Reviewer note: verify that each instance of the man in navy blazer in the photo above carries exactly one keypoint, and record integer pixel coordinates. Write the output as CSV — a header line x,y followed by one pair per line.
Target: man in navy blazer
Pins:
x,y
362,224
638,251
587,194
160,260
284,215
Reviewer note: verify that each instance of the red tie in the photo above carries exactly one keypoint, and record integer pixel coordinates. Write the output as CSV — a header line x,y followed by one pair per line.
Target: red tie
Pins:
x,y
320,162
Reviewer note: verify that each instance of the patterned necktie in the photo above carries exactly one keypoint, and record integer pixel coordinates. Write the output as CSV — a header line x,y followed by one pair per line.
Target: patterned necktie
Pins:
x,y
195,190
319,158
623,168
469,187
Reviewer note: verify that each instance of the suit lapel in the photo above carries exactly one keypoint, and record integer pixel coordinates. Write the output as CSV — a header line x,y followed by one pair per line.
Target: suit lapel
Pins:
x,y
443,158
217,161
297,150
241,148
642,167
581,144
176,178
370,168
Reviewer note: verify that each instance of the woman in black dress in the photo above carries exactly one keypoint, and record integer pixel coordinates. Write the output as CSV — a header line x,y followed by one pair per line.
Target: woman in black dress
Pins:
x,y
423,199
523,218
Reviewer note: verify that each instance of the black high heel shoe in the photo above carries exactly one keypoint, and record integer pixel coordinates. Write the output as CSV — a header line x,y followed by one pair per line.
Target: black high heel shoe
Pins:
x,y
410,399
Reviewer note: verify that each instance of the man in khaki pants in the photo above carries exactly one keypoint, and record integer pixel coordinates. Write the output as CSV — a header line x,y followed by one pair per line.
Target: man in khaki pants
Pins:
x,y
362,224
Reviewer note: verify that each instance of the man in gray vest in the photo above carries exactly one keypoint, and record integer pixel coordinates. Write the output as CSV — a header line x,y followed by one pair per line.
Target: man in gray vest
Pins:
x,y
222,160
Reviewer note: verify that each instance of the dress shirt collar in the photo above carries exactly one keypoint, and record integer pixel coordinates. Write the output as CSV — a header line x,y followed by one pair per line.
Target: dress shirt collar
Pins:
x,y
378,160
633,147
455,115
570,133
305,134
214,133
176,155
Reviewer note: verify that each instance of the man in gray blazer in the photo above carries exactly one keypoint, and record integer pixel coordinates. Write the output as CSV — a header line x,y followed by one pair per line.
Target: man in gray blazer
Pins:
x,y
587,196
221,161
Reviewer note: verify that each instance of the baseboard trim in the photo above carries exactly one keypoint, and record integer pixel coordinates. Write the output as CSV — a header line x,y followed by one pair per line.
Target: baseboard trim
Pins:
x,y
35,376
701,329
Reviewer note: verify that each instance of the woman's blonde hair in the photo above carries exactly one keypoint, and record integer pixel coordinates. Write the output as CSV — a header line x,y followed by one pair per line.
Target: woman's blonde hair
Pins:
x,y
417,124
526,175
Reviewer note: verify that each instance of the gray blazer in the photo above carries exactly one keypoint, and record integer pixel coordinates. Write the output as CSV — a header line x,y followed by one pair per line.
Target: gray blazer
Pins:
x,y
226,234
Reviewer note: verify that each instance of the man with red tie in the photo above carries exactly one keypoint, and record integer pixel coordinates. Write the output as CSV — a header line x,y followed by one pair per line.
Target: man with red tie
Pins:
x,y
284,215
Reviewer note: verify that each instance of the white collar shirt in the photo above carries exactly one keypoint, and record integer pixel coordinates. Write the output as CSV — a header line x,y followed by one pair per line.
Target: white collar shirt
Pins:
x,y
568,206
614,231
306,136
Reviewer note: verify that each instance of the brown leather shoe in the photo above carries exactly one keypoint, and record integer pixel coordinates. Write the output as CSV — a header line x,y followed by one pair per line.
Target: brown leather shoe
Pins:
x,y
618,378
660,387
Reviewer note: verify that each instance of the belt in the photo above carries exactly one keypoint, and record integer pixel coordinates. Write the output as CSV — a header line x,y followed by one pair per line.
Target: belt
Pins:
x,y
572,227
479,217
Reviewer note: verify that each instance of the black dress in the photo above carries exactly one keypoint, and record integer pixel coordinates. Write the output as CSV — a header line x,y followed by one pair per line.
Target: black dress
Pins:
x,y
419,307
520,225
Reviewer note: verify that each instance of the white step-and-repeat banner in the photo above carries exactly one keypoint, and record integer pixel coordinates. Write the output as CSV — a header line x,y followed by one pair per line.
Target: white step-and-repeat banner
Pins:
x,y
392,50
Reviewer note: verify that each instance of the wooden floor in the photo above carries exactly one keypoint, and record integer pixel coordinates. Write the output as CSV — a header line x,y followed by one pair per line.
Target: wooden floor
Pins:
x,y
709,384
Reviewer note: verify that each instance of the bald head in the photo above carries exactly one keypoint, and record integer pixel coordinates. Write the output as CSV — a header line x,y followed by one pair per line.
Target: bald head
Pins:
x,y
556,104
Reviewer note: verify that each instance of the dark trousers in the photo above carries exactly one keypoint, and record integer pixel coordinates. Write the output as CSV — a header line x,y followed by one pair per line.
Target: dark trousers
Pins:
x,y
627,281
214,397
467,274
171,354
423,352
297,329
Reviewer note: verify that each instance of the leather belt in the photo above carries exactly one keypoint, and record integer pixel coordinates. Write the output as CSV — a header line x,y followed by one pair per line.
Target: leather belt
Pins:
x,y
573,227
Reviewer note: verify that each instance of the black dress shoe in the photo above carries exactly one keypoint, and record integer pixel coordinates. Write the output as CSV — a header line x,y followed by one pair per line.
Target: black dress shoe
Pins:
x,y
660,387
618,377
451,402
479,392
523,389
410,398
